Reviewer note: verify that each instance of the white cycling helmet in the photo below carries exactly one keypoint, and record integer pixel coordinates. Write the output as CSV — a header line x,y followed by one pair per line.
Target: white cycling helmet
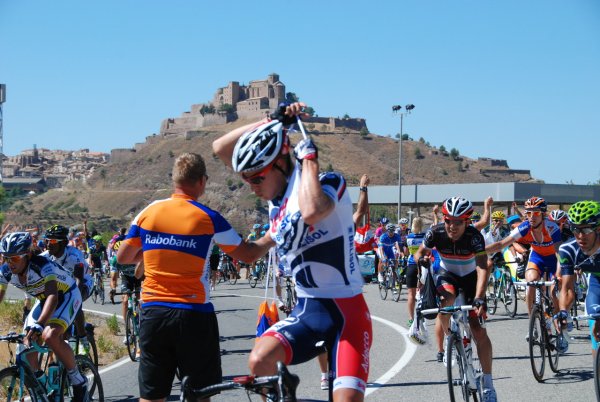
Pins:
x,y
258,148
390,227
457,207
403,221
558,215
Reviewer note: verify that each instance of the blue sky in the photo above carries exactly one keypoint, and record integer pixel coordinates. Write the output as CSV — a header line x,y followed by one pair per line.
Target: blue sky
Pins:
x,y
516,80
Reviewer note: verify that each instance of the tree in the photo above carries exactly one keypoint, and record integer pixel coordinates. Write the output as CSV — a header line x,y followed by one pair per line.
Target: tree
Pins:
x,y
309,110
346,116
226,107
454,153
422,140
364,132
418,154
442,148
405,137
397,136
210,109
291,97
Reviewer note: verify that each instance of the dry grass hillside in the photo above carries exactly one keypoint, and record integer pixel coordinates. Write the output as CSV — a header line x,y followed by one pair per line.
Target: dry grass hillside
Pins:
x,y
117,192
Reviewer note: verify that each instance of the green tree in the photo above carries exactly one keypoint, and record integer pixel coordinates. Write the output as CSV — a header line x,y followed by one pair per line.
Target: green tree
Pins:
x,y
405,137
454,153
364,132
418,154
291,97
422,140
346,116
442,148
309,110
226,107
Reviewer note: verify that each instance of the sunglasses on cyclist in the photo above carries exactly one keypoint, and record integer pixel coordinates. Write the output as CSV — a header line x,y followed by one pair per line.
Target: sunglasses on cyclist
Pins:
x,y
585,231
14,258
455,222
533,213
53,241
258,177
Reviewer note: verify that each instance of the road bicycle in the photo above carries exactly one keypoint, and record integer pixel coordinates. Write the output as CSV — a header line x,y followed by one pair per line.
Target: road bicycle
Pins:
x,y
227,271
581,287
460,367
391,281
275,388
543,335
501,288
18,382
132,323
258,274
97,291
75,342
289,296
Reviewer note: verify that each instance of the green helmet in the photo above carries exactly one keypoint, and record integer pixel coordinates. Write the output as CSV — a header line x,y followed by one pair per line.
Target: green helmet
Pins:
x,y
585,213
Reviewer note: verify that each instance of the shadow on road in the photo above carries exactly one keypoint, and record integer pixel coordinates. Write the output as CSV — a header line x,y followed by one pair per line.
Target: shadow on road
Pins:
x,y
236,337
571,376
231,310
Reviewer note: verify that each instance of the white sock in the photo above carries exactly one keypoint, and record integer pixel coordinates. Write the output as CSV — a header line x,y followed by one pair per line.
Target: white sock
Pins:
x,y
324,376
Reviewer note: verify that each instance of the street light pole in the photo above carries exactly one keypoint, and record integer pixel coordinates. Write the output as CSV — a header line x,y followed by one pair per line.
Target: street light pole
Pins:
x,y
408,109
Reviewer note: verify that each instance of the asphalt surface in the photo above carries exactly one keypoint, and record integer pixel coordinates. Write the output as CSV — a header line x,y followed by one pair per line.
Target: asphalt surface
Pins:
x,y
400,371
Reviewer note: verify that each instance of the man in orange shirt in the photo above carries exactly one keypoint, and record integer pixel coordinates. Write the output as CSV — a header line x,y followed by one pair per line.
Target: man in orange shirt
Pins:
x,y
173,238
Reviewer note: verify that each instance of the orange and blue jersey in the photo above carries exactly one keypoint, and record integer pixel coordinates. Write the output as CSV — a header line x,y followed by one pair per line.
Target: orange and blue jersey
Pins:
x,y
544,246
176,236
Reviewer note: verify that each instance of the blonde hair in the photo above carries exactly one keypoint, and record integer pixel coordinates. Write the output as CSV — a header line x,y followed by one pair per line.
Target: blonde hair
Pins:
x,y
188,168
417,225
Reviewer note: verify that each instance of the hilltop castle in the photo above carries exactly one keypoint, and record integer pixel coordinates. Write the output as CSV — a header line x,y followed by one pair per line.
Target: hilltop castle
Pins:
x,y
251,101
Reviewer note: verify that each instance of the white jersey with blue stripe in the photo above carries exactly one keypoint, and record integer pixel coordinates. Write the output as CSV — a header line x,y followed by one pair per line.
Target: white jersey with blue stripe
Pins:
x,y
322,256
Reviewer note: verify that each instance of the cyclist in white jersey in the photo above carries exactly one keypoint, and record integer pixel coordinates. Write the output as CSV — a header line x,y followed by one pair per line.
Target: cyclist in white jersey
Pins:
x,y
312,229
58,301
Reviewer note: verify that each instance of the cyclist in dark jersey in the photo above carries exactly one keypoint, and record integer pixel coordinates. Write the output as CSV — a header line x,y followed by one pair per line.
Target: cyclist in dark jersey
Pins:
x,y
582,252
462,267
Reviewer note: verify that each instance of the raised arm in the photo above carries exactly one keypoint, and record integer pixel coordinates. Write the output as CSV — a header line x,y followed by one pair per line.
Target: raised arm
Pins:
x,y
485,217
223,146
362,206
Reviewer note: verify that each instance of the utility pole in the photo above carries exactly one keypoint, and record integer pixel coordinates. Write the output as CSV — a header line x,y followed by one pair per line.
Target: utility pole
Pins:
x,y
395,109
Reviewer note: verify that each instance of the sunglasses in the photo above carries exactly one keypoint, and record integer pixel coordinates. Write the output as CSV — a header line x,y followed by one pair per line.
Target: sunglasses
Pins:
x,y
14,258
533,213
497,220
53,241
258,177
585,231
455,222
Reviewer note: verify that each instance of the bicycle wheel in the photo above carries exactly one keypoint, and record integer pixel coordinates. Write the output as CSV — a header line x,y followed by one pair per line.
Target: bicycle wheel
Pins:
x,y
94,293
88,370
101,291
10,386
289,301
457,375
510,298
597,375
552,349
232,273
574,313
492,299
130,333
253,280
93,353
383,287
537,344
396,287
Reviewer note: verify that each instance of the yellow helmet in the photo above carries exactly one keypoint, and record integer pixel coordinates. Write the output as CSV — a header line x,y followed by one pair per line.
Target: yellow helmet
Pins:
x,y
498,215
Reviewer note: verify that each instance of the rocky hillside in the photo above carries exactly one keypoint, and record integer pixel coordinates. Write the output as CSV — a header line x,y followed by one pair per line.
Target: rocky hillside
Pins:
x,y
114,194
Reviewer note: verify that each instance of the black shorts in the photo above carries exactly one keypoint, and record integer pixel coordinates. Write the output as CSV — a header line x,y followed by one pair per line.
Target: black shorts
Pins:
x,y
412,276
213,261
449,283
130,283
171,338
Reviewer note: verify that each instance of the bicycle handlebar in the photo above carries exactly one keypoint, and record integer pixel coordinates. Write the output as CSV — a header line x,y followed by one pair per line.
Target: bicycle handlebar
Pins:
x,y
449,309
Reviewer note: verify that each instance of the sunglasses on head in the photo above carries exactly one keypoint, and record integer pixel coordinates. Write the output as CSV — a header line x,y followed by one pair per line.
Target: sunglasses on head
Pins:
x,y
14,258
585,231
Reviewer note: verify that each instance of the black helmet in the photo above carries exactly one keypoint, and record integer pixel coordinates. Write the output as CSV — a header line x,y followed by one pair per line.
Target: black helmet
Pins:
x,y
57,232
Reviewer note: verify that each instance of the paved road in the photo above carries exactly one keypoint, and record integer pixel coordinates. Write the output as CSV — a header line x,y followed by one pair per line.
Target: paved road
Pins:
x,y
399,370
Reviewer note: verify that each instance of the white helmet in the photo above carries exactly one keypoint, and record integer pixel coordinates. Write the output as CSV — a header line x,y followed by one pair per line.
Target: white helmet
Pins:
x,y
403,221
258,148
558,215
457,207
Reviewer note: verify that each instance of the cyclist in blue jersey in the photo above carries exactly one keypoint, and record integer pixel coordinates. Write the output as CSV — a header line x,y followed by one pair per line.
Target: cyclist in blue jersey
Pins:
x,y
581,252
389,247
